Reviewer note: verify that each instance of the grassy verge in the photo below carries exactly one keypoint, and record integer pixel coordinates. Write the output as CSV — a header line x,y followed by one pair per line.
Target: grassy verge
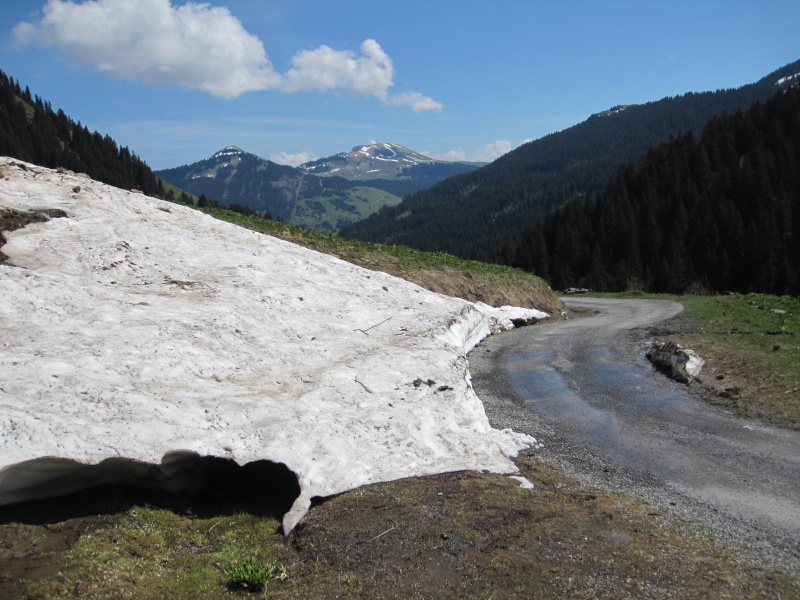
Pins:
x,y
437,271
751,345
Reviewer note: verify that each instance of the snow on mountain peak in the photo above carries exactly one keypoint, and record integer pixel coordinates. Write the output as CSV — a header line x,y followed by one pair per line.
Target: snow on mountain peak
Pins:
x,y
229,151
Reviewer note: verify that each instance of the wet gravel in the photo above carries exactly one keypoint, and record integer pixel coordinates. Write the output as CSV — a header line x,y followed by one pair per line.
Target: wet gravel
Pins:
x,y
583,388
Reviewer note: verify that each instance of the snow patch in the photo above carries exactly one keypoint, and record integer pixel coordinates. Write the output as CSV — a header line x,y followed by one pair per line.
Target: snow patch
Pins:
x,y
140,336
524,483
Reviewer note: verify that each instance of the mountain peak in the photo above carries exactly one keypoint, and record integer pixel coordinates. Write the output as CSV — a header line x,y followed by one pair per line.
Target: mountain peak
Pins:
x,y
390,152
229,151
370,161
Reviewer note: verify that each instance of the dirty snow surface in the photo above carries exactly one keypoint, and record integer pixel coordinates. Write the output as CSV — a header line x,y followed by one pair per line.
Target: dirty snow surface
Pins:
x,y
137,333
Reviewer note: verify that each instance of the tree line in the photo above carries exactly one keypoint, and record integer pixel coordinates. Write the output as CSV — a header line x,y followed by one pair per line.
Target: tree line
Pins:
x,y
32,131
484,214
716,212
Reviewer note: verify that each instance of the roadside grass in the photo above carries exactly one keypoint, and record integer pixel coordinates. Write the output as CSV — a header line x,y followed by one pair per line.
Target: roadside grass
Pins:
x,y
151,552
751,345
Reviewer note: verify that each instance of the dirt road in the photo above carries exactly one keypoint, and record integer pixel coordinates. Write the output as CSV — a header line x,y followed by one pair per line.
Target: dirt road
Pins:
x,y
585,390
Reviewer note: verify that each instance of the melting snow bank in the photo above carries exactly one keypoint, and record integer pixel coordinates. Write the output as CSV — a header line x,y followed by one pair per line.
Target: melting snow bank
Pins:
x,y
140,336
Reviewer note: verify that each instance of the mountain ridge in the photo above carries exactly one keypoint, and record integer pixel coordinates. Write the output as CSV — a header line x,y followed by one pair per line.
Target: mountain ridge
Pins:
x,y
324,194
376,157
488,209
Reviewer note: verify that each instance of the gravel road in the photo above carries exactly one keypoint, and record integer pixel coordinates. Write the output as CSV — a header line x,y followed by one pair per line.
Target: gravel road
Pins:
x,y
583,388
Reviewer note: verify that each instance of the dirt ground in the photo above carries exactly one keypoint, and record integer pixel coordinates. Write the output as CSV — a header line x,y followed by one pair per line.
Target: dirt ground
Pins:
x,y
462,535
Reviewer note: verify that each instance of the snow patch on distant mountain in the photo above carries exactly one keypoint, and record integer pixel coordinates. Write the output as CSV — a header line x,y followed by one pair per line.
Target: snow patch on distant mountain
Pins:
x,y
788,81
229,151
613,111
362,160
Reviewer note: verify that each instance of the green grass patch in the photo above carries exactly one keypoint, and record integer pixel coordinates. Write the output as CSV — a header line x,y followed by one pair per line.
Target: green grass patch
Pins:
x,y
155,553
333,244
496,285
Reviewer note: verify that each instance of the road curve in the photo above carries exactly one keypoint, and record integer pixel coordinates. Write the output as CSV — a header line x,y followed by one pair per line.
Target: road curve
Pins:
x,y
583,388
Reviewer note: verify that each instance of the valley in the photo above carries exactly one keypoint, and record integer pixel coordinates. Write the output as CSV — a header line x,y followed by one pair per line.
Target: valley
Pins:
x,y
562,526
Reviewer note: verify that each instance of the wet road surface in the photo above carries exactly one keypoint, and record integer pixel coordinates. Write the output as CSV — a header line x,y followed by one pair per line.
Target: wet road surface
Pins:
x,y
584,389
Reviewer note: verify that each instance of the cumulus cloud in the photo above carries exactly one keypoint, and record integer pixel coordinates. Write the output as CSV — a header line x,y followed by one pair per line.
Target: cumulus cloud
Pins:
x,y
204,47
486,154
416,101
492,151
195,45
292,159
453,155
323,69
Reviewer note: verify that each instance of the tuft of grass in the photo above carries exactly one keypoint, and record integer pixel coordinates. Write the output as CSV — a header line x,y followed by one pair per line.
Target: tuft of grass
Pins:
x,y
252,575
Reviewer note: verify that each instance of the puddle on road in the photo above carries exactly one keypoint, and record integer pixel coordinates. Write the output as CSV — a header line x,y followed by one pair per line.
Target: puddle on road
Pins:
x,y
632,384
544,391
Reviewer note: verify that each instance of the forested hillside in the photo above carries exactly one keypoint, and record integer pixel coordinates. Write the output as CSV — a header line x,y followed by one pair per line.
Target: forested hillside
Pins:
x,y
718,212
32,131
483,214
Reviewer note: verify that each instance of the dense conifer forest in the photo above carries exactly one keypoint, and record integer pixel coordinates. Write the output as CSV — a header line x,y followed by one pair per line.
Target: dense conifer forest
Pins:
x,y
716,212
32,131
483,214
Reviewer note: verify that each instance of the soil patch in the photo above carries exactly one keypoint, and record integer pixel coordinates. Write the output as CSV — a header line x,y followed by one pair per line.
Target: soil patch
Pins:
x,y
11,220
457,535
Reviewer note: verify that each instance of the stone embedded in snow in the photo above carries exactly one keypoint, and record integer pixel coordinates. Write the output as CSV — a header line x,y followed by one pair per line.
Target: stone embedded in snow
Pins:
x,y
139,335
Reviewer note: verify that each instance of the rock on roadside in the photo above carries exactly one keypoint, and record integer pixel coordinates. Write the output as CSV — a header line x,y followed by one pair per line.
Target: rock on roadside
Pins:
x,y
682,364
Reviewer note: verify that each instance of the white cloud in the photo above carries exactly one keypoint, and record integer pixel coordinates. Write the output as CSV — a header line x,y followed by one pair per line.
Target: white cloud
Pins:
x,y
195,45
486,154
416,101
204,47
492,151
452,155
293,160
323,69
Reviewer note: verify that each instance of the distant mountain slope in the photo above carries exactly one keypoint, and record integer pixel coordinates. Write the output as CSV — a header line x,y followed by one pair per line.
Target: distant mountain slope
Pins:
x,y
717,212
386,161
325,194
482,214
32,131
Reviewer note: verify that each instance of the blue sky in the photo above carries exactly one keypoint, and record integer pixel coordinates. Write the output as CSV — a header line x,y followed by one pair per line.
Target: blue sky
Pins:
x,y
295,79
